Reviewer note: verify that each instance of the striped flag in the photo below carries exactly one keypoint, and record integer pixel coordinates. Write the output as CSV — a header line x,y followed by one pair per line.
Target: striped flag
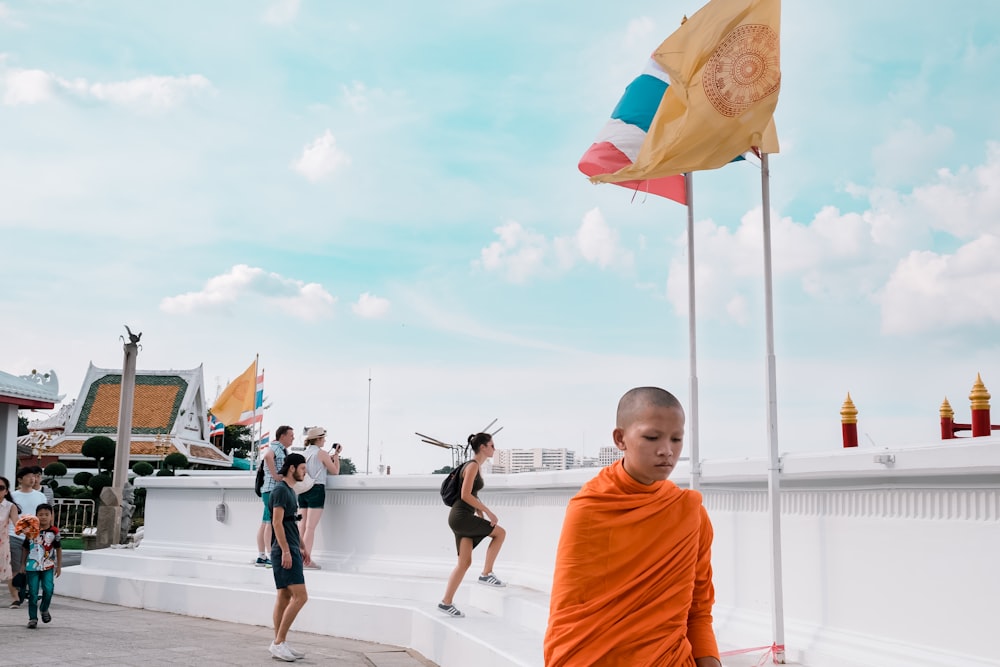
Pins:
x,y
618,144
215,427
256,415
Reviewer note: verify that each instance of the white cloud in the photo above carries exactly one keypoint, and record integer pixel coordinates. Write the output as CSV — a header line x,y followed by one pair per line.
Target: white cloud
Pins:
x,y
26,86
282,12
852,255
909,153
155,93
518,253
370,306
598,243
320,158
931,291
247,285
522,254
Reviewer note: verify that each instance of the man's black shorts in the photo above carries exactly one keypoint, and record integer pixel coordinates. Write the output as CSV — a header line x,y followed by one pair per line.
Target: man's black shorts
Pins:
x,y
284,578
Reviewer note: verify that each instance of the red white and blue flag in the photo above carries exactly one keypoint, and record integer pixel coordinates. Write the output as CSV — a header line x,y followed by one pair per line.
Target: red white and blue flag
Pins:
x,y
618,143
215,427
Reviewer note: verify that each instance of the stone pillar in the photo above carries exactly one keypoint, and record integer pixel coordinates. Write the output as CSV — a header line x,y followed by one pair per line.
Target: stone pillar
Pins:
x,y
947,420
980,399
849,422
110,515
8,441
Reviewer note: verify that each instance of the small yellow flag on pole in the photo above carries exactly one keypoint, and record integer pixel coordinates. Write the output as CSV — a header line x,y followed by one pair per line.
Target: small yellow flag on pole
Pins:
x,y
237,398
725,75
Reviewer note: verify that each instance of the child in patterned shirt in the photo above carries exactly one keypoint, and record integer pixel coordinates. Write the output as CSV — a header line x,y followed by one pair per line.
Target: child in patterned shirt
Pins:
x,y
44,564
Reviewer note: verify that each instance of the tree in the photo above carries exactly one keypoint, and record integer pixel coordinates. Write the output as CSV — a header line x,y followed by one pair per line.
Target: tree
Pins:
x,y
22,426
238,440
347,466
442,471
101,448
82,478
175,460
143,468
98,482
53,470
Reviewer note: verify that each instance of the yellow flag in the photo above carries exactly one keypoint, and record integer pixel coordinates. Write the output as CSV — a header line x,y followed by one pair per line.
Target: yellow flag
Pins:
x,y
725,74
237,398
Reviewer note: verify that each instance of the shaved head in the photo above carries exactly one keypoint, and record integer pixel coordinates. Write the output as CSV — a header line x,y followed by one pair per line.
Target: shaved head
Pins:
x,y
639,398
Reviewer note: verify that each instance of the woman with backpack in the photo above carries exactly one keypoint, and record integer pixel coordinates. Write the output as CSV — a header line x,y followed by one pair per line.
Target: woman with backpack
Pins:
x,y
319,463
467,521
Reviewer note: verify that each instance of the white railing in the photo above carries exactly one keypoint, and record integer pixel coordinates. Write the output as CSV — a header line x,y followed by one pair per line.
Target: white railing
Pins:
x,y
74,516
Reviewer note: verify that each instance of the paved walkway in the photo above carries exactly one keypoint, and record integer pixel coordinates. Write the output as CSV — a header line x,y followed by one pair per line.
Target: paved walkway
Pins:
x,y
88,634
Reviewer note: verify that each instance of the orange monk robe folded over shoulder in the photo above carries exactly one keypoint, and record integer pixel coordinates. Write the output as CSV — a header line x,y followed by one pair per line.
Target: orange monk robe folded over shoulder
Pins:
x,y
633,577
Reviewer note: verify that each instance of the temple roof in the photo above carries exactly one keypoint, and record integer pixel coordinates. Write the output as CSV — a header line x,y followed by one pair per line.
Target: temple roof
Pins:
x,y
168,415
30,391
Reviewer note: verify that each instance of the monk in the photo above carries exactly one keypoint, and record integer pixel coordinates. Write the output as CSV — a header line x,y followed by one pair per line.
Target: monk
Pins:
x,y
633,574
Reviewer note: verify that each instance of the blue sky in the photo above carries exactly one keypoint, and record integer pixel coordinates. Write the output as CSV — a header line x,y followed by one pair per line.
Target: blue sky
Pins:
x,y
393,187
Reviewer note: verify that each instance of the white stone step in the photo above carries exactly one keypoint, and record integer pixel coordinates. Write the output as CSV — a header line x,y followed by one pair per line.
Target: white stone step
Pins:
x,y
502,628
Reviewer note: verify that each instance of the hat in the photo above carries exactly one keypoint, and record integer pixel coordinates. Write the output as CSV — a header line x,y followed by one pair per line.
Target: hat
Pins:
x,y
315,433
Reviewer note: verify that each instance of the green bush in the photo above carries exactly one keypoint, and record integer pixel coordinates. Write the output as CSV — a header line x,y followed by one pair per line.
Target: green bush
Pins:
x,y
101,448
143,468
82,478
55,469
98,482
80,492
175,461
164,472
64,491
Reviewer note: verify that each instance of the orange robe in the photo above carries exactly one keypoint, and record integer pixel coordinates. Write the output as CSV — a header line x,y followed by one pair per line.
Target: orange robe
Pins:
x,y
633,577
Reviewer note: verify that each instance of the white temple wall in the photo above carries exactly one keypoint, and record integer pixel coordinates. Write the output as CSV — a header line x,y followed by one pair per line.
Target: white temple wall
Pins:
x,y
892,559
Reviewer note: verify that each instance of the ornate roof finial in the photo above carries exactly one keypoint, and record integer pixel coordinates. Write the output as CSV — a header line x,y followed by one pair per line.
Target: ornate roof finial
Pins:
x,y
979,396
946,411
684,19
848,413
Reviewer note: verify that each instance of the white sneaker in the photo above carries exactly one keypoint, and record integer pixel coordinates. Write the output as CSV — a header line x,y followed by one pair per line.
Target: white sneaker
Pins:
x,y
281,652
298,654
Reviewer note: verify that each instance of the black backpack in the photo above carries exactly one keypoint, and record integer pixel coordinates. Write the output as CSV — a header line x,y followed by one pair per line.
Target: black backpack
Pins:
x,y
451,487
259,483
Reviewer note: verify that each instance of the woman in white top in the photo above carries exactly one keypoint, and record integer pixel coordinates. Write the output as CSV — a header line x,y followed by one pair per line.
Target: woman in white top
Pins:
x,y
319,463
8,517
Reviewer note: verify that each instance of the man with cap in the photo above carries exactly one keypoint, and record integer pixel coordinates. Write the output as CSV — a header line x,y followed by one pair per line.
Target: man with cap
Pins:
x,y
287,556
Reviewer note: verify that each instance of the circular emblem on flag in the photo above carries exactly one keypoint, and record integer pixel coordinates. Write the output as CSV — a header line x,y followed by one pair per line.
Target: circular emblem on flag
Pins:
x,y
742,70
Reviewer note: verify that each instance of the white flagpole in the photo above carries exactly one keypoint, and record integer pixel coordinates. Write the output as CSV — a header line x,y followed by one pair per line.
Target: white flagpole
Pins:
x,y
774,459
692,338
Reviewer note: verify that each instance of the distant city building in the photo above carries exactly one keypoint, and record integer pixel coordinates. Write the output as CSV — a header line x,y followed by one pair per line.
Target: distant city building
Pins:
x,y
509,461
608,455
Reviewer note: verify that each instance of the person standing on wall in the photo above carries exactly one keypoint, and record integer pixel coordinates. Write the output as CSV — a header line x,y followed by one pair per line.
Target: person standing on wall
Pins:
x,y
472,521
319,464
287,556
273,460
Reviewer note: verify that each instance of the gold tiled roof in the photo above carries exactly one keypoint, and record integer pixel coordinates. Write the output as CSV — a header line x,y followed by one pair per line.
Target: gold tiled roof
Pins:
x,y
155,406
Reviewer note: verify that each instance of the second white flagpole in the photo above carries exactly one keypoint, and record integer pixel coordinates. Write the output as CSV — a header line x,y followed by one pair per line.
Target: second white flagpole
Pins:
x,y
774,458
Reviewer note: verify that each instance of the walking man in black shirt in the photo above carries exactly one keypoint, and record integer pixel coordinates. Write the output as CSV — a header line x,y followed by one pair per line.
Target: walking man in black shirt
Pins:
x,y
287,557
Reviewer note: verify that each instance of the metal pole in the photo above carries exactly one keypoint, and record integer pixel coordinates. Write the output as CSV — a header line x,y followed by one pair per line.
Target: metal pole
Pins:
x,y
368,438
692,337
774,459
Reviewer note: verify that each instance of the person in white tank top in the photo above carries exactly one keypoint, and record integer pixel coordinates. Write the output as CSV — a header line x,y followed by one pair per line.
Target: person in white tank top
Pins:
x,y
319,464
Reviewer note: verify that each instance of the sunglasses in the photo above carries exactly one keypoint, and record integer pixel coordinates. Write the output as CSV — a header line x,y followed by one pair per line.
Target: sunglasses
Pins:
x,y
3,488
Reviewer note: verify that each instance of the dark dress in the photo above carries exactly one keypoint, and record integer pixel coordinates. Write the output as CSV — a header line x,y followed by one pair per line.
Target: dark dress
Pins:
x,y
463,520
